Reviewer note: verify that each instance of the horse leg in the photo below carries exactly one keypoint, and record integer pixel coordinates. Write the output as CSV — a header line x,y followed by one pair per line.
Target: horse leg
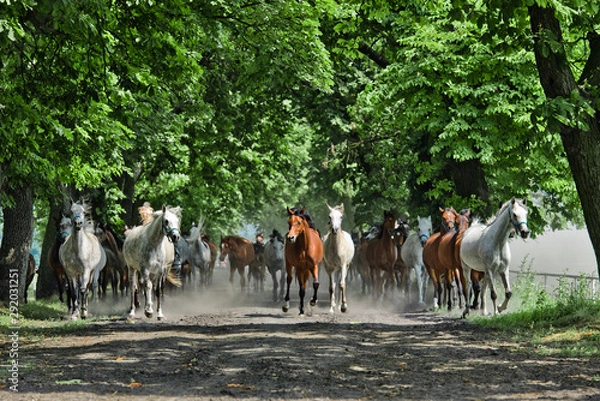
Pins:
x,y
275,283
132,293
484,285
344,306
466,287
507,291
148,311
286,303
231,273
331,293
302,277
160,282
84,285
73,301
241,270
282,283
315,274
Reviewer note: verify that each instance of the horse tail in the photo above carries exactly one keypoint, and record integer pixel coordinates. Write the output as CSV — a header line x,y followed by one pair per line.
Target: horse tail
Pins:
x,y
173,278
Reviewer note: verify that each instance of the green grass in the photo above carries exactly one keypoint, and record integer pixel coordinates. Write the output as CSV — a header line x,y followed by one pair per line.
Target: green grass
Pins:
x,y
41,318
566,322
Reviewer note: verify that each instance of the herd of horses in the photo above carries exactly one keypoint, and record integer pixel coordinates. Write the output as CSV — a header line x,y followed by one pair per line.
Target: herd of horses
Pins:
x,y
460,259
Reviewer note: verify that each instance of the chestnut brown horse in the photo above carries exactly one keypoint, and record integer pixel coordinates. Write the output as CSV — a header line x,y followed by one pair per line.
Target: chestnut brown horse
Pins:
x,y
449,257
241,254
431,259
303,252
382,254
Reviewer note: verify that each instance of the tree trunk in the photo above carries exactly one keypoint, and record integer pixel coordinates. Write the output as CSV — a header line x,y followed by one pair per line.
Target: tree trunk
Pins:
x,y
46,283
469,179
16,240
582,147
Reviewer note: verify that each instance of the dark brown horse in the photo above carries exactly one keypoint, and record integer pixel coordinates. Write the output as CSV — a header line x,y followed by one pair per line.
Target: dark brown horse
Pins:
x,y
213,257
400,268
437,271
115,270
303,252
64,228
382,254
241,254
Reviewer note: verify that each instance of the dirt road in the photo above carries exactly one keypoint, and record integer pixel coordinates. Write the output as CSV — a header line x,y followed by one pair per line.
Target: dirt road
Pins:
x,y
223,345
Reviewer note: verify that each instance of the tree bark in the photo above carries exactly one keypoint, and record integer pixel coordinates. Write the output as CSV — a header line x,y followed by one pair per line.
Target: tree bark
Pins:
x,y
46,283
582,147
16,240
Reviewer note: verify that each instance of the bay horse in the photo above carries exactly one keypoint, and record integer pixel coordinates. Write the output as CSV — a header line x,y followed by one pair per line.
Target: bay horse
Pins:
x,y
435,268
303,253
83,257
116,269
213,258
338,251
485,248
64,227
382,254
400,268
240,252
275,261
148,250
361,264
412,254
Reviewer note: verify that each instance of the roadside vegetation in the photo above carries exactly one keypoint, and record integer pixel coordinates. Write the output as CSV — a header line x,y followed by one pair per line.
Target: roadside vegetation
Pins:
x,y
565,321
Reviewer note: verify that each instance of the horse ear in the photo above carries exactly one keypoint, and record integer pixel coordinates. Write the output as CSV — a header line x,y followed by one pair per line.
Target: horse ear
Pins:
x,y
342,208
164,208
524,201
441,210
290,211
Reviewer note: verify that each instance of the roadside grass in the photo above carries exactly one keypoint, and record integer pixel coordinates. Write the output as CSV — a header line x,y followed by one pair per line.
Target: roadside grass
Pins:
x,y
41,318
566,322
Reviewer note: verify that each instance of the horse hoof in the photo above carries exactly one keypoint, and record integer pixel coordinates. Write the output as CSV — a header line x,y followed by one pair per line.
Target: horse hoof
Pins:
x,y
148,315
344,309
160,318
313,303
285,308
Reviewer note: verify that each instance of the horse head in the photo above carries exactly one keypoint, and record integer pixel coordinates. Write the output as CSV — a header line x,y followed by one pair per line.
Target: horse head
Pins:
x,y
224,246
463,219
335,218
170,223
449,216
390,224
401,233
424,229
518,216
297,224
78,212
65,227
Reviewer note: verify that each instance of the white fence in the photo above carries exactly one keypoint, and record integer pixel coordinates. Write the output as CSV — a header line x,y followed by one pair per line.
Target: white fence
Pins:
x,y
550,281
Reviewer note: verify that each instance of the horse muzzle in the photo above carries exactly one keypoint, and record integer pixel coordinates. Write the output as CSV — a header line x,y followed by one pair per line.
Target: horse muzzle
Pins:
x,y
291,239
524,232
174,235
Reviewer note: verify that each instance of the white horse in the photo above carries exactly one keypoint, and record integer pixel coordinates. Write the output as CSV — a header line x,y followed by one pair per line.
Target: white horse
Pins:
x,y
484,248
338,251
199,256
82,257
412,254
275,261
149,250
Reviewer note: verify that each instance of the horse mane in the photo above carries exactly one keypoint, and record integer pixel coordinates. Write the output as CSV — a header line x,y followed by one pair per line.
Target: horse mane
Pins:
x,y
276,235
303,214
